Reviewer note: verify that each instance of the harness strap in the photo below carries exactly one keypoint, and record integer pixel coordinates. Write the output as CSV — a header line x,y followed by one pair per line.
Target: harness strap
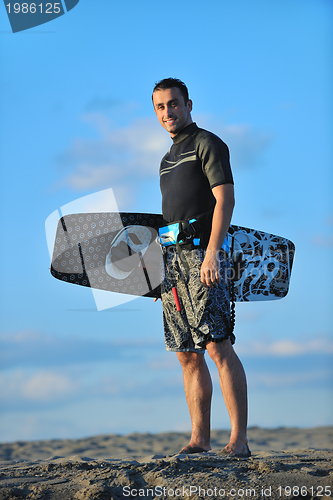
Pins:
x,y
185,232
189,230
232,295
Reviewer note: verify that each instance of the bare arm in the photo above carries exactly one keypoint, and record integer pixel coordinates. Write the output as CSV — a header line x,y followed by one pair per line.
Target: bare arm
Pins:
x,y
225,201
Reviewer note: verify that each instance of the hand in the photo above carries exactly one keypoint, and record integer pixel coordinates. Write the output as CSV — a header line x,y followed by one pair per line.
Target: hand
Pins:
x,y
210,269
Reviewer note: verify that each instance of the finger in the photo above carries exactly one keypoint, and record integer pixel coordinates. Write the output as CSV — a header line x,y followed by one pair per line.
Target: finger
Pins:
x,y
206,280
213,283
203,279
211,277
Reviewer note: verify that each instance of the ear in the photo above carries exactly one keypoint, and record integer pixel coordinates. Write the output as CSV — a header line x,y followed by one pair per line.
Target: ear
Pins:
x,y
189,105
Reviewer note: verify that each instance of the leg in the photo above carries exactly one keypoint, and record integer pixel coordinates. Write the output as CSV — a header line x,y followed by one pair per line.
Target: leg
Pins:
x,y
234,390
198,392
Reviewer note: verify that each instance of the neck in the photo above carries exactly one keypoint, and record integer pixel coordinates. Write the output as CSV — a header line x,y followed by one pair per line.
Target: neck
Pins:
x,y
189,121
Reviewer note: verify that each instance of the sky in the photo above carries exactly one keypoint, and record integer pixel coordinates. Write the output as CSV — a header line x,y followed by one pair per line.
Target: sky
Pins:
x,y
76,118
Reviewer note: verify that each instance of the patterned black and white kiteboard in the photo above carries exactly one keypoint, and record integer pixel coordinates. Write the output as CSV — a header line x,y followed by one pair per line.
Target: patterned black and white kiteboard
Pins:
x,y
120,252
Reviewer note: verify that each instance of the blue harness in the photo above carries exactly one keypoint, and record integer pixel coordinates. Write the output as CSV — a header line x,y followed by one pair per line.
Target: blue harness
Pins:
x,y
185,233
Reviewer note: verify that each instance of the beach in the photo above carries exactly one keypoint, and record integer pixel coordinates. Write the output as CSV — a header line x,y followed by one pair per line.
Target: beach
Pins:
x,y
285,463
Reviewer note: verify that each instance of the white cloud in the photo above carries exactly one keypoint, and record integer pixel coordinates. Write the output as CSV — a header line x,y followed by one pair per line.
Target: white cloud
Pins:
x,y
124,156
46,385
42,386
116,154
246,143
103,371
323,240
26,388
23,336
286,347
87,176
281,380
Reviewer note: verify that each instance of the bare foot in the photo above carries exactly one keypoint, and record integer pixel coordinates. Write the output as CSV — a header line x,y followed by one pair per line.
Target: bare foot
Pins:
x,y
238,449
193,449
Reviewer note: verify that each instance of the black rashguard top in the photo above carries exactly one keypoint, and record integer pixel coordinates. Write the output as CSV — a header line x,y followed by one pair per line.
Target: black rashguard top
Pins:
x,y
196,162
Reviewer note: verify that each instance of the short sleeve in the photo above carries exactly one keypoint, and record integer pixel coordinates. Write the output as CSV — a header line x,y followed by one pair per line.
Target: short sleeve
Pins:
x,y
215,159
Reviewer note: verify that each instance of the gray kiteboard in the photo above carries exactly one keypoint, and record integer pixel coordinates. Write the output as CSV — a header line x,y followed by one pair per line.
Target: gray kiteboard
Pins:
x,y
120,252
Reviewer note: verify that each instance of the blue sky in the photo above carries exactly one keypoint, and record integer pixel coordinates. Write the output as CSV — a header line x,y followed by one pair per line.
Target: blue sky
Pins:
x,y
76,118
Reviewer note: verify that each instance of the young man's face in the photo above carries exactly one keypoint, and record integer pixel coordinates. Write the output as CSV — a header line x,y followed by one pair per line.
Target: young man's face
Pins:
x,y
171,110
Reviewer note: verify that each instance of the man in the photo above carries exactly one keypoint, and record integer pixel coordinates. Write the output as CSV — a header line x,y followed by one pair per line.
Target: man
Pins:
x,y
197,184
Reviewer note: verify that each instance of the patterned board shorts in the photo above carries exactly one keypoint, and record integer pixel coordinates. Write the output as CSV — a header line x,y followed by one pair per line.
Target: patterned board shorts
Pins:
x,y
205,313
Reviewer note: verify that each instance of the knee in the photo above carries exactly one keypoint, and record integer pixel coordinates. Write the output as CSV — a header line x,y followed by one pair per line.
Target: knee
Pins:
x,y
220,352
190,359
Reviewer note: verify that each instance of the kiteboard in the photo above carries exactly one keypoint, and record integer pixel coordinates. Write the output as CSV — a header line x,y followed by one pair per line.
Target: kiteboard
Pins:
x,y
121,252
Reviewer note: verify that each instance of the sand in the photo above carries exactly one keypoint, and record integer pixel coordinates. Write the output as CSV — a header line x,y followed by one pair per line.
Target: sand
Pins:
x,y
286,463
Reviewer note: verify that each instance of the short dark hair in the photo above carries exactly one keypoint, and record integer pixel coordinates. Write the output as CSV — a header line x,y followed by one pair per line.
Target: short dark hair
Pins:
x,y
169,83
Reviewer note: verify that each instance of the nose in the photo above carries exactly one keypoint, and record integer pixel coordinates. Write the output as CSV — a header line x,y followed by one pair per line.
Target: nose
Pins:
x,y
168,110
